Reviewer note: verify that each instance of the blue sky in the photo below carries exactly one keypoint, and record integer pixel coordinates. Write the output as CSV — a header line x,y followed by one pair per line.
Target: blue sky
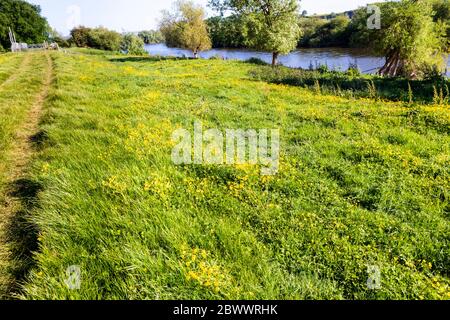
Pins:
x,y
136,15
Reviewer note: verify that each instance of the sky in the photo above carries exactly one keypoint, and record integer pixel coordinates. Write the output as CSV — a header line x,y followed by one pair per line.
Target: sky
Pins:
x,y
137,15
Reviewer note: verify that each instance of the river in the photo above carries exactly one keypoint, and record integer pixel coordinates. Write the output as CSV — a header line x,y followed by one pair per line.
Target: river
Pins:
x,y
334,58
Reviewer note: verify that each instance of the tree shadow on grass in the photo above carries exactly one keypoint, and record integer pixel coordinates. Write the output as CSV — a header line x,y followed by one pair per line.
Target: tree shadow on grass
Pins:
x,y
22,233
39,140
148,59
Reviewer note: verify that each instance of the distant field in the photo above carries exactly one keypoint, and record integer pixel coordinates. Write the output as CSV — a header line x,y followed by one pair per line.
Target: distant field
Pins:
x,y
361,183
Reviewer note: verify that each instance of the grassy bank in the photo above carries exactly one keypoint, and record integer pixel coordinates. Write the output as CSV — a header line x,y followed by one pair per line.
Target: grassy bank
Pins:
x,y
352,84
361,183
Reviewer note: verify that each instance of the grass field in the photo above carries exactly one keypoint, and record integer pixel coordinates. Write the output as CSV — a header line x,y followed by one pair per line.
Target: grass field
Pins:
x,y
22,78
361,183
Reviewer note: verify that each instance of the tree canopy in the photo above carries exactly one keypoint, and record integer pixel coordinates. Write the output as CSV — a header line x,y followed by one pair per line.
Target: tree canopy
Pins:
x,y
132,44
151,36
227,32
412,41
97,38
24,19
325,33
271,25
185,27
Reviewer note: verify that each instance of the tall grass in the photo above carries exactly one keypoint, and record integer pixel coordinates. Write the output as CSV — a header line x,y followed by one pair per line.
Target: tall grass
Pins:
x,y
362,182
354,84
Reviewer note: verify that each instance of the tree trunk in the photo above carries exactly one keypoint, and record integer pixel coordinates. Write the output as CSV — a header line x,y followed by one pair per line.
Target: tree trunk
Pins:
x,y
195,54
275,58
395,66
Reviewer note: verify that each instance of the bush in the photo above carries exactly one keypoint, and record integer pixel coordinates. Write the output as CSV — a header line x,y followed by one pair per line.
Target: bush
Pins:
x,y
133,45
353,70
80,36
322,33
98,38
55,37
323,68
104,39
151,36
257,61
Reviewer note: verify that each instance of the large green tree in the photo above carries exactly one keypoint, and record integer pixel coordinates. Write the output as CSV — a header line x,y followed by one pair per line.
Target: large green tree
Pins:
x,y
441,11
332,33
411,38
24,19
227,32
272,25
185,27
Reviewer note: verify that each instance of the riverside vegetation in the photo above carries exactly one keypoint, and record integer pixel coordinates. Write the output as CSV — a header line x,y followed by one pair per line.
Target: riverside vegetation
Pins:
x,y
362,182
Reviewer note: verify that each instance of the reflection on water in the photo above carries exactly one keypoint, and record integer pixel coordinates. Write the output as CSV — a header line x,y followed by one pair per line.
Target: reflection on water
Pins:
x,y
334,58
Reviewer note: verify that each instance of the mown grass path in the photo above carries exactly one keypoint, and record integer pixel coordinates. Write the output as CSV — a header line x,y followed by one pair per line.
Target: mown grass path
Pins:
x,y
30,83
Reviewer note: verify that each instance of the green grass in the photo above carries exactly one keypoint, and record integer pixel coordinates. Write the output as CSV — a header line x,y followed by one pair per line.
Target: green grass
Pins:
x,y
8,63
16,97
21,79
361,183
352,84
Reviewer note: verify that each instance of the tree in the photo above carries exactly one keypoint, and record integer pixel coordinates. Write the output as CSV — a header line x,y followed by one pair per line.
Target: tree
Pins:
x,y
80,36
186,27
151,36
97,38
271,24
441,10
104,39
227,32
309,27
171,29
333,33
411,41
132,44
24,19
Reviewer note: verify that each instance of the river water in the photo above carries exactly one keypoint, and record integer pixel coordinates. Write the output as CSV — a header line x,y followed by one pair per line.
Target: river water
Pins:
x,y
334,58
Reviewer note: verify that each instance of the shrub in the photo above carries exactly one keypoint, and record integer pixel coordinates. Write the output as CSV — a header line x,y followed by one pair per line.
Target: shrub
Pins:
x,y
323,68
257,61
151,36
104,39
353,70
98,38
55,37
133,45
80,36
